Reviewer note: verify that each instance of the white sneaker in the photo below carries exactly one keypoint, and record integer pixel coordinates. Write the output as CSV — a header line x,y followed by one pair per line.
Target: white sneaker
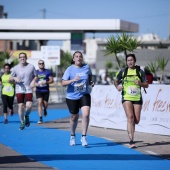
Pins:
x,y
84,141
40,122
72,141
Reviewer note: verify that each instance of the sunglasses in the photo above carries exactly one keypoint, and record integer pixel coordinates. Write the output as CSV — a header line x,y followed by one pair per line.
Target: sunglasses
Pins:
x,y
41,63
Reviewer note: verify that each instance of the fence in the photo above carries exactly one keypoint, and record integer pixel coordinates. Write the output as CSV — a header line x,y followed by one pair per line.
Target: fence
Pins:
x,y
57,94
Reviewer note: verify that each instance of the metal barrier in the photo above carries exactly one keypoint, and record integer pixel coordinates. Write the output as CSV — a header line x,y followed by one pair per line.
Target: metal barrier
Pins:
x,y
57,94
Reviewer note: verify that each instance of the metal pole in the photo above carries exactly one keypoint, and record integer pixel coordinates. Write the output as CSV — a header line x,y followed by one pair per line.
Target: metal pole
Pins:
x,y
169,21
43,13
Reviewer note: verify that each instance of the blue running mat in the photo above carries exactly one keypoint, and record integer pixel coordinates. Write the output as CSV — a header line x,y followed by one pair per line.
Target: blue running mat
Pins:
x,y
51,147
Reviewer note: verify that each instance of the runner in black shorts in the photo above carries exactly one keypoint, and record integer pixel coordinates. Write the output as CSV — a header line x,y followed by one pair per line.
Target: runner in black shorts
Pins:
x,y
42,89
78,77
132,79
44,96
75,105
140,102
7,93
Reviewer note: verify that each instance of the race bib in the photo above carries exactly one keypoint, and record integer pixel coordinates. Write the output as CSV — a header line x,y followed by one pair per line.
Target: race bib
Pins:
x,y
133,91
79,87
42,85
8,88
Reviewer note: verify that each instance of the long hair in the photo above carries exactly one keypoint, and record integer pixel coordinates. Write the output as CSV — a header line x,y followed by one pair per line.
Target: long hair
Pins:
x,y
72,61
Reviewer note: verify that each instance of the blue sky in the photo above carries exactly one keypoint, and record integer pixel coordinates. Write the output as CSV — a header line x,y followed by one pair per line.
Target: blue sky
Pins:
x,y
153,16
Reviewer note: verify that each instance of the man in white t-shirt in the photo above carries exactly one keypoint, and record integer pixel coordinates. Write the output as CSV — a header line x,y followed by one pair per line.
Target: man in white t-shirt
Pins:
x,y
24,74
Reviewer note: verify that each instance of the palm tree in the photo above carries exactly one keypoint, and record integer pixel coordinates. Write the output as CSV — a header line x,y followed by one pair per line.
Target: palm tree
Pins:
x,y
6,57
162,62
122,43
1,60
128,42
66,58
113,47
15,61
153,67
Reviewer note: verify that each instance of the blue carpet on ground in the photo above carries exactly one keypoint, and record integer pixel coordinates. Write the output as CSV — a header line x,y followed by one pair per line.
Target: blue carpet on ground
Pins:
x,y
50,146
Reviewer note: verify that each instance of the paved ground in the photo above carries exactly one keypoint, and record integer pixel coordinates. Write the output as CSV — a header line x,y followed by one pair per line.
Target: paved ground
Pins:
x,y
150,144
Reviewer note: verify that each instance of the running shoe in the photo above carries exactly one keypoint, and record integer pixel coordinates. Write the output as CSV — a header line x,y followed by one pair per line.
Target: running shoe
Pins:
x,y
84,141
132,144
45,112
40,121
11,112
5,121
22,126
72,141
27,121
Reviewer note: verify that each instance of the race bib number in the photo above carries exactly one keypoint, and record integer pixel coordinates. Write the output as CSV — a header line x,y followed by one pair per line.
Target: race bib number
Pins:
x,y
8,88
42,85
133,91
80,87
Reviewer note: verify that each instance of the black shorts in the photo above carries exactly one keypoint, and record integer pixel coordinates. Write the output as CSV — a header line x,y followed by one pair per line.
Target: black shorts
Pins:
x,y
43,95
140,102
75,105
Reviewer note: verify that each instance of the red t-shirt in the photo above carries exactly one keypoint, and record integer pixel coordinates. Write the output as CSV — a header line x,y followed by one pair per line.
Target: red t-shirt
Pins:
x,y
149,78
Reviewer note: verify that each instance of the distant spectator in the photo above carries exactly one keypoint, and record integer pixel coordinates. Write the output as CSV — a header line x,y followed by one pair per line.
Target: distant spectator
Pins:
x,y
149,75
104,77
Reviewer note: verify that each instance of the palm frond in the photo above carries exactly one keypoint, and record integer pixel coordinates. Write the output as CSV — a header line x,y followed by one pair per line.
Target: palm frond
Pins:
x,y
129,42
162,62
112,46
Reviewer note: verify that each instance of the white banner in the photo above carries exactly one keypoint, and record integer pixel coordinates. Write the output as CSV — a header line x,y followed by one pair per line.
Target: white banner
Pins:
x,y
107,110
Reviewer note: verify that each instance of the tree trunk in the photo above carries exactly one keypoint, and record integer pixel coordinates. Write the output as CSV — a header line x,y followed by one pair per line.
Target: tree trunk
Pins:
x,y
118,62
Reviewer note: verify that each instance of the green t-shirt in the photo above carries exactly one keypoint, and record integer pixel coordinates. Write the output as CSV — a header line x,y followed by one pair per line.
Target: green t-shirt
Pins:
x,y
131,90
7,88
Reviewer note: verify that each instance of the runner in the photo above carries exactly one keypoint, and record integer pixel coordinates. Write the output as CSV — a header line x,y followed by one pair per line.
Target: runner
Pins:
x,y
24,74
131,94
7,93
77,77
45,78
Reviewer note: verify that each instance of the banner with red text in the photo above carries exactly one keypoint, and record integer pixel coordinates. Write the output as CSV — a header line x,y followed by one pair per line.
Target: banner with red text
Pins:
x,y
107,110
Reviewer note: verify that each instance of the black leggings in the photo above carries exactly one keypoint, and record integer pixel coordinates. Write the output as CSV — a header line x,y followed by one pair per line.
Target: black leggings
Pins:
x,y
7,102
